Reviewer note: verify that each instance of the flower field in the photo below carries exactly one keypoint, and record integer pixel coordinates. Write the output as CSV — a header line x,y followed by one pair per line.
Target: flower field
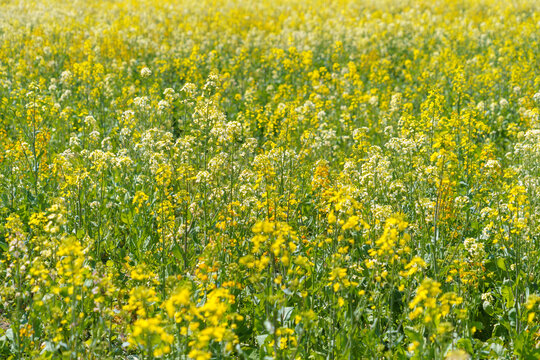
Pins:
x,y
284,179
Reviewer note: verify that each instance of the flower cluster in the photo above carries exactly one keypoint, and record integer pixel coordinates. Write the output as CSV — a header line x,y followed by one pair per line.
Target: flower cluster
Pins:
x,y
280,179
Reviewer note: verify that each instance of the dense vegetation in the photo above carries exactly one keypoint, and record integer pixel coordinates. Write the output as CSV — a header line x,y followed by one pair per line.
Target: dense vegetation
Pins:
x,y
269,179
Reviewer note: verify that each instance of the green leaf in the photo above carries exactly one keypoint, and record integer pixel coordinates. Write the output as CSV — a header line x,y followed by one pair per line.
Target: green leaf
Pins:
x,y
501,264
261,339
412,334
508,296
80,233
177,252
488,308
126,218
465,344
285,313
497,349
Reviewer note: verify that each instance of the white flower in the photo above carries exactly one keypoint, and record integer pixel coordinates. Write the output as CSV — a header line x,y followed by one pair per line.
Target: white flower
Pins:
x,y
74,141
146,72
65,76
202,177
141,102
461,201
395,102
481,106
90,121
162,105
